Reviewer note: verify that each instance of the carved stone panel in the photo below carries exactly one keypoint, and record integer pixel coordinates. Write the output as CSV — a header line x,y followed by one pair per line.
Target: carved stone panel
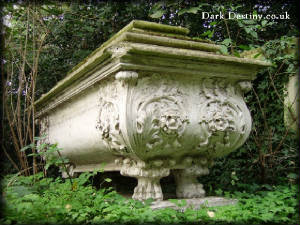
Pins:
x,y
109,119
170,117
224,118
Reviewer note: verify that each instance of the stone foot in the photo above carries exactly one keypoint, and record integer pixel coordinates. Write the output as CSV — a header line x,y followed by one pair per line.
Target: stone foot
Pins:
x,y
148,188
148,179
187,183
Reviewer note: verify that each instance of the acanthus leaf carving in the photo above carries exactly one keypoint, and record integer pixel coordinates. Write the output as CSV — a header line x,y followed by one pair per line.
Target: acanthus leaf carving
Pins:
x,y
109,121
161,120
223,117
160,114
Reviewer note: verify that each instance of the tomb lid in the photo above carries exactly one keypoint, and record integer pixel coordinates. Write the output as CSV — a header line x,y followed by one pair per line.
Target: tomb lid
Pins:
x,y
167,47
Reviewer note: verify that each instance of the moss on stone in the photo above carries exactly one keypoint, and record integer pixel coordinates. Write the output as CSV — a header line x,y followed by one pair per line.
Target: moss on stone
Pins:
x,y
150,38
170,42
162,28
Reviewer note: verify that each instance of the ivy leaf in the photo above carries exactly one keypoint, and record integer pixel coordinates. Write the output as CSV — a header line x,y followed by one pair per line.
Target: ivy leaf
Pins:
x,y
193,10
290,68
247,29
264,22
207,33
249,22
224,49
226,42
107,180
244,47
210,35
158,14
89,29
253,34
240,23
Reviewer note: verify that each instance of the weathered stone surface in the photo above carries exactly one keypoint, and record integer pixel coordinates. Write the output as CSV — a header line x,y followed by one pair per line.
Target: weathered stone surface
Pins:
x,y
292,103
292,99
195,203
148,101
187,185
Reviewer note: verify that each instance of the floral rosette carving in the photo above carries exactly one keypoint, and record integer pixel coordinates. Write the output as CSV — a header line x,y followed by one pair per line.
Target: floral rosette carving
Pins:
x,y
220,117
109,127
223,121
171,124
161,122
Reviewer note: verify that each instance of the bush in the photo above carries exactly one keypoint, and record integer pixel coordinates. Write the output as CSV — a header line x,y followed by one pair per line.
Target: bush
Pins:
x,y
35,199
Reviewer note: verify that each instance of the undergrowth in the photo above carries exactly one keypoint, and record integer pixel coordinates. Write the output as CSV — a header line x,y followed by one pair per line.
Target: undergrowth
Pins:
x,y
35,199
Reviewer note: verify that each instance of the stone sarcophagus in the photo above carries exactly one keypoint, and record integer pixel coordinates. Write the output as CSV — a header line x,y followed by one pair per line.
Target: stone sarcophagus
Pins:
x,y
149,101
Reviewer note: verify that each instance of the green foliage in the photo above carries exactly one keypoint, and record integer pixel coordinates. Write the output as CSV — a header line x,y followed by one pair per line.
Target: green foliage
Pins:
x,y
48,152
278,205
76,29
270,156
275,144
35,199
79,29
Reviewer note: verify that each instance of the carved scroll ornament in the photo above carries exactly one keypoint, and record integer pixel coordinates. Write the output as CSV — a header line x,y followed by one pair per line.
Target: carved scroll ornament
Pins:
x,y
224,117
109,120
